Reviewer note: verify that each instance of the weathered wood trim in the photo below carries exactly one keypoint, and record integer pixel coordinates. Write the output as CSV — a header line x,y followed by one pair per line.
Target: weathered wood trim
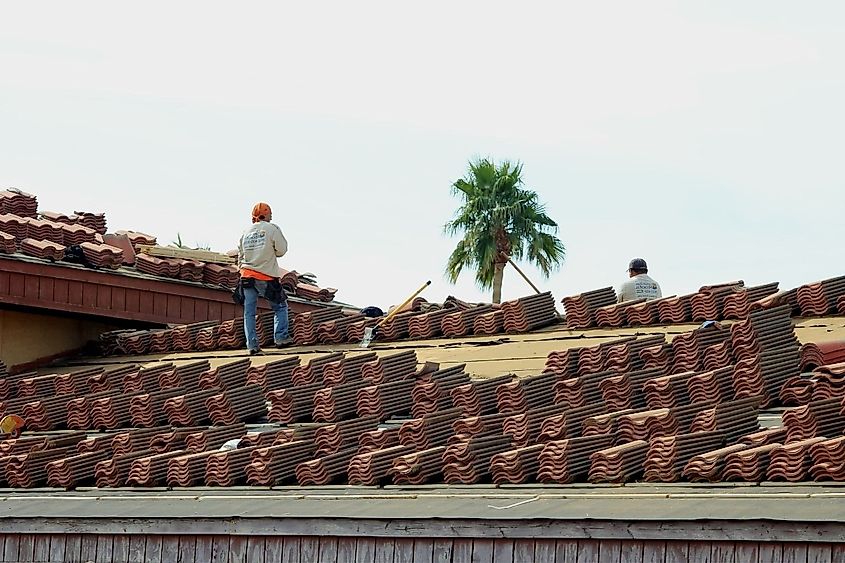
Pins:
x,y
743,530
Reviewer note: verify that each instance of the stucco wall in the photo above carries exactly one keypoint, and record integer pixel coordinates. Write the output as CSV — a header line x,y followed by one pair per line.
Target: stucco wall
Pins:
x,y
26,337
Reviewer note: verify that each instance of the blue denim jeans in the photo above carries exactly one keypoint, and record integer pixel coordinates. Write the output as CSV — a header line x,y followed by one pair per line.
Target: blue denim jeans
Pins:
x,y
280,314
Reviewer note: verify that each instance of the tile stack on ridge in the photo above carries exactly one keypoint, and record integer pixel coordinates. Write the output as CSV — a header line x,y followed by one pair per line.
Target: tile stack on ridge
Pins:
x,y
14,225
767,353
737,305
814,355
461,323
709,466
43,230
238,404
667,456
516,466
820,298
8,244
419,468
581,309
156,266
733,419
220,274
716,384
433,391
676,309
792,461
96,221
18,202
308,291
429,431
326,469
618,464
748,464
102,255
828,460
428,325
466,459
626,391
818,418
335,331
77,234
371,468
524,393
706,305
305,324
645,313
529,313
568,461
615,315
278,464
333,438
479,396
43,249
492,322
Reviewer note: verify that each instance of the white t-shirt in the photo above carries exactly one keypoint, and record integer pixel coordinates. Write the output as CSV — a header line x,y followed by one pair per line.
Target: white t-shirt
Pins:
x,y
640,286
259,247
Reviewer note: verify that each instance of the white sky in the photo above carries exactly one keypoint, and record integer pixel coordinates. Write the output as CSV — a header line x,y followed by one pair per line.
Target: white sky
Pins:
x,y
705,137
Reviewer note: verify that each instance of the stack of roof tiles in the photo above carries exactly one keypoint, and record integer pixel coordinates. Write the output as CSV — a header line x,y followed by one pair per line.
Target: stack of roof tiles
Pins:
x,y
581,309
461,323
814,355
616,315
707,303
767,353
102,255
43,249
220,274
96,221
675,309
667,456
737,305
40,229
156,266
8,244
335,331
308,291
305,325
820,298
529,313
17,202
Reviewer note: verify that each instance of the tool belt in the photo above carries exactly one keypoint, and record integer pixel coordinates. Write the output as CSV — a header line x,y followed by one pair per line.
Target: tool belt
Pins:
x,y
274,292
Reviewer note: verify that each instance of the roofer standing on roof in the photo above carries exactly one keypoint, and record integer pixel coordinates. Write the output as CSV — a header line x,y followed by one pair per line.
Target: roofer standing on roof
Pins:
x,y
639,285
259,247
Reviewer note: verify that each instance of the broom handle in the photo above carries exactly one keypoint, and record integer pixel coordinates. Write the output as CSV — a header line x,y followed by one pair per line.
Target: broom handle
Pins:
x,y
515,267
392,313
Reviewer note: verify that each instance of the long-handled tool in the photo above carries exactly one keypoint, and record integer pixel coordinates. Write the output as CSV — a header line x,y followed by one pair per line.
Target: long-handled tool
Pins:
x,y
515,267
370,333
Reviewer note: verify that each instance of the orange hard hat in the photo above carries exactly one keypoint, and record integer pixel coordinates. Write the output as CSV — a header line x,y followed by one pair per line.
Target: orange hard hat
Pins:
x,y
261,212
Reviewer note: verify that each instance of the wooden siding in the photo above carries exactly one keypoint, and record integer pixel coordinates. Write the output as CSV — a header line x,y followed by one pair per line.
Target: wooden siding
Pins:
x,y
332,549
113,295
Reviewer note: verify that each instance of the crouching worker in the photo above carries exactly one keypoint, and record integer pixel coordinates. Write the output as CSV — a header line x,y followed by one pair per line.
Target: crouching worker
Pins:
x,y
259,247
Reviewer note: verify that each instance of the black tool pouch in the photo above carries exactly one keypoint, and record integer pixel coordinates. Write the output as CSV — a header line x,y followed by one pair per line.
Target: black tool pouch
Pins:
x,y
275,293
238,292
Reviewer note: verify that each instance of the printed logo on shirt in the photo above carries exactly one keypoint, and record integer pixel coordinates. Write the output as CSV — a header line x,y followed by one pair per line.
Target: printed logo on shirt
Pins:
x,y
255,240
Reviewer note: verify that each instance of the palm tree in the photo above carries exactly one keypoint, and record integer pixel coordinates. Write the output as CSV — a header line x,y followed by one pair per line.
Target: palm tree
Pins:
x,y
499,220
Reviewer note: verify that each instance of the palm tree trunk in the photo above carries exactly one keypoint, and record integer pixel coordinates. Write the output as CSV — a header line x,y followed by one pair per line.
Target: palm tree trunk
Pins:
x,y
498,275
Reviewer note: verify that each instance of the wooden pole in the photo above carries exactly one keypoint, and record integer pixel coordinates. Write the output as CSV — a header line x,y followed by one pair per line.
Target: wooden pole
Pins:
x,y
515,267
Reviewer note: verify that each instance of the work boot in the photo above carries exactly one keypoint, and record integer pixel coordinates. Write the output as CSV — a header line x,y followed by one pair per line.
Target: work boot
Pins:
x,y
284,343
256,352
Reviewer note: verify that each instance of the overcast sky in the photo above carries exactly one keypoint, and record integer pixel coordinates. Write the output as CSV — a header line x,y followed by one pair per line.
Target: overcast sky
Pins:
x,y
705,137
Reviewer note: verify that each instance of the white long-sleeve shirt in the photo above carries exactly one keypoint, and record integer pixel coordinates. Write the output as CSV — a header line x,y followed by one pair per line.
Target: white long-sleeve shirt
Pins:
x,y
259,247
640,286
